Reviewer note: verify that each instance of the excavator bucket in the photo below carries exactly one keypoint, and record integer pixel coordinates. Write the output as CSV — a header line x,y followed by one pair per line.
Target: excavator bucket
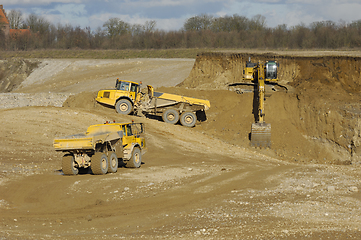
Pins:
x,y
261,135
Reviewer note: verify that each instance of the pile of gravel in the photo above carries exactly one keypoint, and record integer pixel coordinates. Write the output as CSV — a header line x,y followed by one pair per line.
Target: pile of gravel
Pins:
x,y
14,100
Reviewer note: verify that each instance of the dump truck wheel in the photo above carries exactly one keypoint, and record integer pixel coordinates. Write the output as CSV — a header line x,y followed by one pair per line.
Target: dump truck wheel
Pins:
x,y
69,165
136,159
123,106
113,163
171,116
99,163
188,119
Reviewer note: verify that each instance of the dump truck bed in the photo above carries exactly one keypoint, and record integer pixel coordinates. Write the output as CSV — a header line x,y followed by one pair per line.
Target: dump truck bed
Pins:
x,y
84,141
178,98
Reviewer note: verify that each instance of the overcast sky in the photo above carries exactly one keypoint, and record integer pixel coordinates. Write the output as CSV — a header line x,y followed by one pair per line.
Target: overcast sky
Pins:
x,y
171,14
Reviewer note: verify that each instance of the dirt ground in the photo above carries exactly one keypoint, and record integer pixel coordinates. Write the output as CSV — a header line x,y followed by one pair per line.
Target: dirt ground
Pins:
x,y
204,182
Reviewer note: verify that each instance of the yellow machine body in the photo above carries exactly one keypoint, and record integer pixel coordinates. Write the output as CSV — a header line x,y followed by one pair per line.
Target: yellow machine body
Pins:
x,y
128,98
99,134
100,142
123,89
259,74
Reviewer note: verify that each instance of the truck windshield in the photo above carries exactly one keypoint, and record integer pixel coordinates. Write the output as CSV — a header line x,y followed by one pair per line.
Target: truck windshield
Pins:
x,y
129,130
122,86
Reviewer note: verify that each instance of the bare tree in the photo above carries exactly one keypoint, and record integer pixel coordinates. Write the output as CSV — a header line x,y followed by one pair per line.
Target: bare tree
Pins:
x,y
137,29
198,23
116,27
230,23
149,26
37,23
258,22
15,19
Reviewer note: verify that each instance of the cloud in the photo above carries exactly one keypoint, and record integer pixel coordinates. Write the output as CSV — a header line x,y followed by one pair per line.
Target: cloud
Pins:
x,y
171,14
73,14
38,2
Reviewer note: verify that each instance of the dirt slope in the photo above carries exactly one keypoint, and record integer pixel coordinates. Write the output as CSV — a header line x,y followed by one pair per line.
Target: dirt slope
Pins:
x,y
75,76
318,120
198,183
14,71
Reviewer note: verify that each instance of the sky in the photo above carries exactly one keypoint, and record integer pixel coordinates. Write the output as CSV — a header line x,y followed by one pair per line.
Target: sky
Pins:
x,y
172,14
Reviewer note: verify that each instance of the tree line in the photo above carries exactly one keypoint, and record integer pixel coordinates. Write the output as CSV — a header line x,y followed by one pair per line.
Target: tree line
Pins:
x,y
201,31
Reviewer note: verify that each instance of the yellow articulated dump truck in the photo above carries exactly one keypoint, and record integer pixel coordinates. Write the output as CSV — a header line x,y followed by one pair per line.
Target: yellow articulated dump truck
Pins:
x,y
102,147
128,98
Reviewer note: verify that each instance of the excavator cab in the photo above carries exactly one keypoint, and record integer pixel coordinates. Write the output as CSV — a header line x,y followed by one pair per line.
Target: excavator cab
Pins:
x,y
271,71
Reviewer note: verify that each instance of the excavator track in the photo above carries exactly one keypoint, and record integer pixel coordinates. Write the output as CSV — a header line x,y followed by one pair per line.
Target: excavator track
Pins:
x,y
261,135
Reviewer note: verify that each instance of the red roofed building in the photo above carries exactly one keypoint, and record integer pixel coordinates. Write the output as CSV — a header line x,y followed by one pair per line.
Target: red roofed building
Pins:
x,y
16,33
4,23
5,27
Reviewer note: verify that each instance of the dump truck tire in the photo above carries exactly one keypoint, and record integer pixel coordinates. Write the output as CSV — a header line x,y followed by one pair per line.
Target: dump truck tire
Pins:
x,y
113,163
170,116
68,165
188,119
99,163
136,159
124,106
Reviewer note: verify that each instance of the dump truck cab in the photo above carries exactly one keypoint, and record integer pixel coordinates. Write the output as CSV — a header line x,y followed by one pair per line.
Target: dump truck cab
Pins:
x,y
128,88
124,96
132,136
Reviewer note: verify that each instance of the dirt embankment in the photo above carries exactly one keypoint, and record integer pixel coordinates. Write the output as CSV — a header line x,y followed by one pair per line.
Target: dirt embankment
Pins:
x,y
317,120
14,71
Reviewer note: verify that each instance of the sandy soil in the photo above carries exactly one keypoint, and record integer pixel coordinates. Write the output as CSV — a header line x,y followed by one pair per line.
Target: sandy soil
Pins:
x,y
199,183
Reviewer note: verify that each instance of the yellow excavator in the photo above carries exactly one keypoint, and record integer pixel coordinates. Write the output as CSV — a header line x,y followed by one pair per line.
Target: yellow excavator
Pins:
x,y
259,74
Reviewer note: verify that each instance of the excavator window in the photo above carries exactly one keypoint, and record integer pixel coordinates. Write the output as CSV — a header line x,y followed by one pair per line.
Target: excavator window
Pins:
x,y
271,70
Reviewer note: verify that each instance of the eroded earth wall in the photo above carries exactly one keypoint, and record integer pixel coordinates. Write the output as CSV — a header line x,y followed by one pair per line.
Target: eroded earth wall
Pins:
x,y
14,71
316,120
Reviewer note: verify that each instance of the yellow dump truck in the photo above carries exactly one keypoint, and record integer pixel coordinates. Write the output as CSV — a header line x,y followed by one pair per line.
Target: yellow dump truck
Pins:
x,y
128,98
102,147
